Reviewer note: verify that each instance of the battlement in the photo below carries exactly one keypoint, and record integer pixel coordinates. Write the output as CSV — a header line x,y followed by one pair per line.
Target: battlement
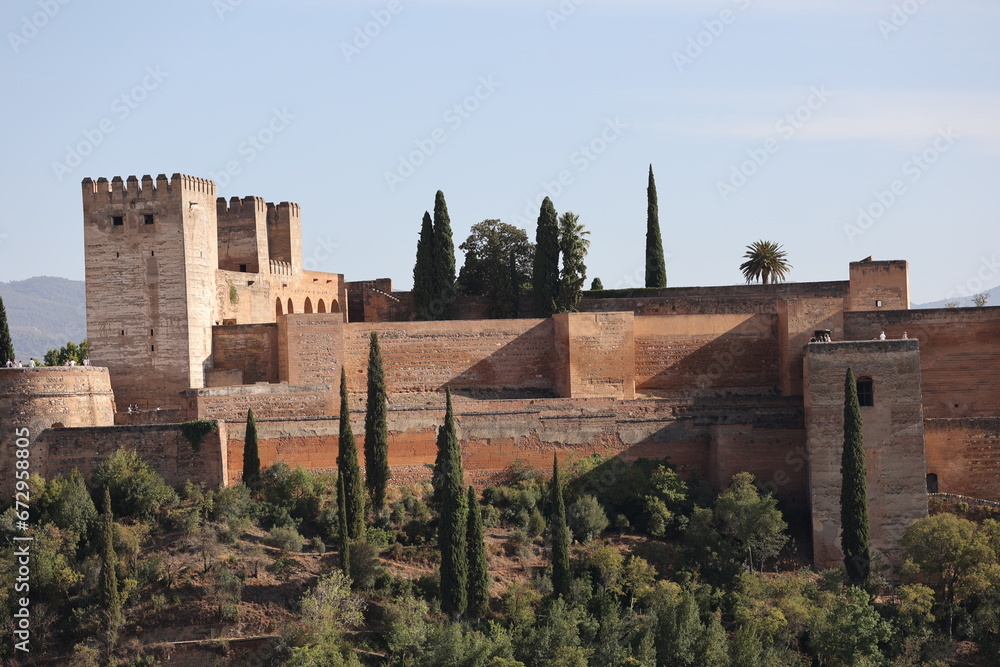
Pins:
x,y
236,207
132,189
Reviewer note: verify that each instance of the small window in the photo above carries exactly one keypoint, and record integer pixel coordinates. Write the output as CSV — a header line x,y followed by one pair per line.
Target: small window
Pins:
x,y
152,253
243,268
878,303
123,332
147,219
152,348
866,393
932,482
117,220
150,332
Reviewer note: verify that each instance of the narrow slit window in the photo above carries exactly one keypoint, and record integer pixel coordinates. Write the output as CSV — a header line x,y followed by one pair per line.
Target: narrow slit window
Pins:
x,y
866,392
878,303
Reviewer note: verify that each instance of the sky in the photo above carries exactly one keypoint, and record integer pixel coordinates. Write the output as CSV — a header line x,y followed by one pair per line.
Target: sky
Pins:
x,y
839,129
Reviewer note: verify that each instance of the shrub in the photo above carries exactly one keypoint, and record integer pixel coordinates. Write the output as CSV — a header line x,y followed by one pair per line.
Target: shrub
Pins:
x,y
587,519
136,489
285,538
231,503
318,545
366,568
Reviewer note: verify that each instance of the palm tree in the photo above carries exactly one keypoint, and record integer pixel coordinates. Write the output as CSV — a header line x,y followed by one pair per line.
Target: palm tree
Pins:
x,y
765,262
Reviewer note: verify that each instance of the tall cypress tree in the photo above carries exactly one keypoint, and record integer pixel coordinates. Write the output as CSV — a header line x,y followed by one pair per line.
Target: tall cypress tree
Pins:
x,y
560,535
452,529
656,266
343,532
423,270
6,345
444,262
853,490
377,472
545,269
347,463
479,575
108,593
251,455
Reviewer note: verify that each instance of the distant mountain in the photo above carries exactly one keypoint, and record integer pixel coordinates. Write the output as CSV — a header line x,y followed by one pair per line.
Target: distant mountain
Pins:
x,y
44,313
963,301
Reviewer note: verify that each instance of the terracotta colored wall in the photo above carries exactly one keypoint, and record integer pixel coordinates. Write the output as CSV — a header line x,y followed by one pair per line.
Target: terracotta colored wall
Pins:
x,y
251,348
689,354
959,354
965,455
881,284
777,459
595,354
276,401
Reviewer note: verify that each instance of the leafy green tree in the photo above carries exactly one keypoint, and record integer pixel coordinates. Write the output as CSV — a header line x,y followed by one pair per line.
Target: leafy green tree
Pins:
x,y
849,633
596,285
443,297
573,247
69,352
853,489
561,575
347,462
67,504
423,270
545,266
656,266
406,626
555,639
954,557
108,593
497,265
766,262
136,489
678,628
6,345
251,454
453,528
377,473
587,518
750,523
343,532
479,575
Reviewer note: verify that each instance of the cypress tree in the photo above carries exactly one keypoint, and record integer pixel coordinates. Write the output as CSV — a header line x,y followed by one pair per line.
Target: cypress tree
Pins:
x,y
479,576
377,472
656,266
596,284
6,345
347,464
452,529
444,262
545,269
251,456
108,593
423,270
343,536
853,489
560,535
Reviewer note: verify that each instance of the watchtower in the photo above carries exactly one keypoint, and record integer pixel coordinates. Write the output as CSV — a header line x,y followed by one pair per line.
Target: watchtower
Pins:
x,y
151,261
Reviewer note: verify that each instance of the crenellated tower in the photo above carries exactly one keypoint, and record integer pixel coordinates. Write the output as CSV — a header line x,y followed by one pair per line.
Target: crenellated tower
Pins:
x,y
152,254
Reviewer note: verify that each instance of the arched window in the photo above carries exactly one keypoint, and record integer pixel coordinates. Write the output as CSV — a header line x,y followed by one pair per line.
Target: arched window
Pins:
x,y
308,307
291,308
334,306
866,392
321,307
932,482
277,306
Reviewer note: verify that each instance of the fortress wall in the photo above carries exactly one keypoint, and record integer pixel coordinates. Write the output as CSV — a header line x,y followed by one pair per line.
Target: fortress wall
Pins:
x,y
495,355
595,354
879,284
34,399
164,446
965,455
273,401
798,320
776,457
251,348
959,354
689,354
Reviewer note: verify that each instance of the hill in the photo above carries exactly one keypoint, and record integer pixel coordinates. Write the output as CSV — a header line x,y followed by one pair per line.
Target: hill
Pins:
x,y
963,301
44,313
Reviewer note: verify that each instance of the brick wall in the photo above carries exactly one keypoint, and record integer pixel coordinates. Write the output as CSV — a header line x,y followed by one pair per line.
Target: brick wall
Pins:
x,y
965,455
251,348
595,354
267,400
959,354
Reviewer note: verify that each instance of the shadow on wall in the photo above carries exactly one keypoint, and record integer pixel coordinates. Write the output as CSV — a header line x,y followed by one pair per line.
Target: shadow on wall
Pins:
x,y
524,367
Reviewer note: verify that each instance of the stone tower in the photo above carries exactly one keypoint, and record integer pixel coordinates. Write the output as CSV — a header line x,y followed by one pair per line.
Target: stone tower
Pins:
x,y
151,260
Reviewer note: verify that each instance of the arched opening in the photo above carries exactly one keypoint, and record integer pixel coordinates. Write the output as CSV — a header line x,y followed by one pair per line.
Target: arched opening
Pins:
x,y
334,306
321,307
932,482
277,306
308,306
291,308
57,425
866,392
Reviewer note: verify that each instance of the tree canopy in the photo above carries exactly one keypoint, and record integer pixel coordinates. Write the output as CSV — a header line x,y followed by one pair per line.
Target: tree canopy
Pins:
x,y
766,262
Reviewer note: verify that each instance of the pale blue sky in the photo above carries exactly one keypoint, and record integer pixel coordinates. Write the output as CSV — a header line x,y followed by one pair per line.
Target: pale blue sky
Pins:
x,y
695,88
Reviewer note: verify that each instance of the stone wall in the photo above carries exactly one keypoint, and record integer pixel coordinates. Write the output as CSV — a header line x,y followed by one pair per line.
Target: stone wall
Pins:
x,y
275,401
250,348
959,354
879,284
165,446
595,354
893,434
964,455
777,459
